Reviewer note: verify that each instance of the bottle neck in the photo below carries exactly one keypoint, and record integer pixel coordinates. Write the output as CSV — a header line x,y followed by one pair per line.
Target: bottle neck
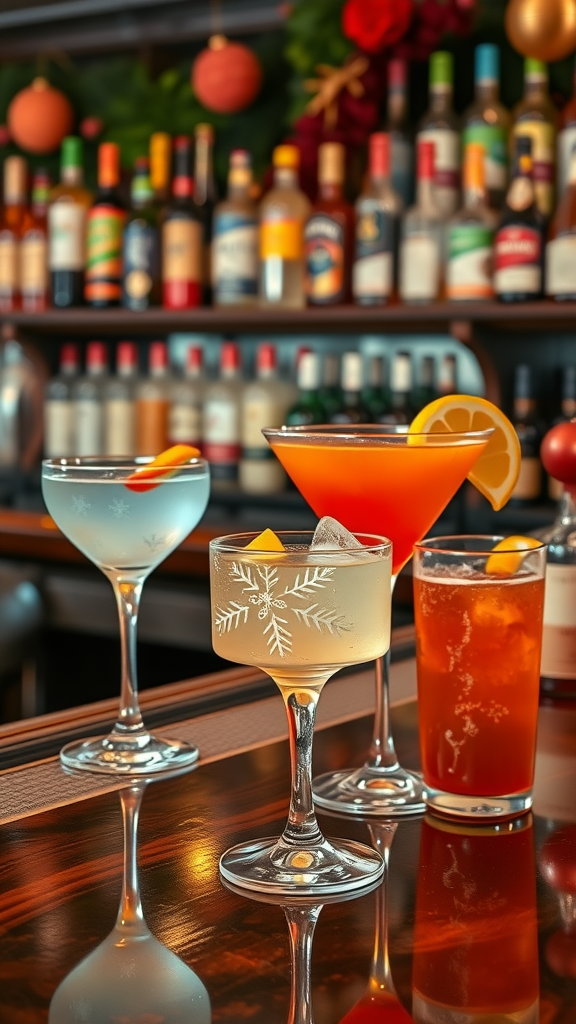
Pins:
x,y
204,192
330,190
535,88
72,175
441,98
524,406
397,108
285,177
487,90
474,196
425,192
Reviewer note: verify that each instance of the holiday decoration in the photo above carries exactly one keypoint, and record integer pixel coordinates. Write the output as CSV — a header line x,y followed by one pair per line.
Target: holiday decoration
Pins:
x,y
91,127
375,24
39,117
545,29
226,77
329,85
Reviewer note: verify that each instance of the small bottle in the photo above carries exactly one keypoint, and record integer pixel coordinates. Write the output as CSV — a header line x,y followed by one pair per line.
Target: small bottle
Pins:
x,y
222,421
400,411
15,219
119,403
141,285
424,391
536,116
88,402
160,153
447,380
487,123
59,441
561,248
420,272
185,417
182,237
67,214
398,128
329,233
308,409
205,197
376,394
104,229
283,213
378,212
352,409
567,412
235,238
330,394
441,126
153,403
519,240
34,287
264,404
527,425
470,236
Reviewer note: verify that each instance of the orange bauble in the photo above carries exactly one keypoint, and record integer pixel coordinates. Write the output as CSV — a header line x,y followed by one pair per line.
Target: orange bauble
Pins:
x,y
226,77
39,117
545,29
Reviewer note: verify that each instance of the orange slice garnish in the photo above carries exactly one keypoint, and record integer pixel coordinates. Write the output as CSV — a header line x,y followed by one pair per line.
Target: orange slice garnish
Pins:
x,y
266,541
161,468
508,555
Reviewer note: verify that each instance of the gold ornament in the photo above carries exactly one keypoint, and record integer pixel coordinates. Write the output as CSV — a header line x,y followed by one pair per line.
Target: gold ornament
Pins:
x,y
545,29
330,83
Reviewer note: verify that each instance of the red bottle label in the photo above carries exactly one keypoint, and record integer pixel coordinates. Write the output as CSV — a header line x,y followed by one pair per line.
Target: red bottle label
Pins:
x,y
516,245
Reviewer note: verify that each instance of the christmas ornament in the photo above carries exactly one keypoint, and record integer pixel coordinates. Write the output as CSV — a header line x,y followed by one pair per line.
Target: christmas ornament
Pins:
x,y
226,77
39,117
91,127
545,29
375,24
330,83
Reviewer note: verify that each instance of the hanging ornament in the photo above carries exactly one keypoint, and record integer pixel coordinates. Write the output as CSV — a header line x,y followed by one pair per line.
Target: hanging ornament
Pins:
x,y
545,29
91,127
39,117
226,77
375,24
330,83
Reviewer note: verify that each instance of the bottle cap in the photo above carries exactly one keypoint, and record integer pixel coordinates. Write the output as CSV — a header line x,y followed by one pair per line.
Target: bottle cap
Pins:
x,y
474,156
72,152
441,68
15,176
96,355
266,356
126,355
69,358
157,356
160,153
141,187
331,156
397,73
286,156
230,356
535,70
41,187
308,371
352,374
379,155
487,63
204,132
194,360
240,173
108,164
426,159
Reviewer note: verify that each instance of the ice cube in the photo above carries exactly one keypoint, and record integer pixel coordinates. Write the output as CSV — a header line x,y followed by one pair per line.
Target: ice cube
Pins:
x,y
330,535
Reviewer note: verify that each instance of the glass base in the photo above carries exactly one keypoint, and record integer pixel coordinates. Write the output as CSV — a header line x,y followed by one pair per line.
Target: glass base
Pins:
x,y
426,1011
478,808
377,792
112,756
273,866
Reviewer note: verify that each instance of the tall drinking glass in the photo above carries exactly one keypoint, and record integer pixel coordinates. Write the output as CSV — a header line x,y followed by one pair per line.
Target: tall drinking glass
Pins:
x,y
126,518
300,614
377,478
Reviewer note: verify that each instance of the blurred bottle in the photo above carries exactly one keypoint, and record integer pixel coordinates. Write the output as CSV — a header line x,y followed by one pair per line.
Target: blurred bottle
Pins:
x,y
566,138
519,240
264,404
308,408
536,116
378,212
447,380
566,411
421,247
561,248
440,126
398,127
104,230
59,440
185,418
400,410
205,197
182,236
141,284
67,214
487,123
34,287
88,402
424,390
21,407
352,409
376,393
330,393
329,233
153,403
160,153
470,236
14,221
119,403
222,420
528,426
283,213
235,241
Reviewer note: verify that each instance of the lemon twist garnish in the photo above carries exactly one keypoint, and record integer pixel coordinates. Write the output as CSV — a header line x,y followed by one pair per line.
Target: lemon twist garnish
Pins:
x,y
508,555
266,541
161,468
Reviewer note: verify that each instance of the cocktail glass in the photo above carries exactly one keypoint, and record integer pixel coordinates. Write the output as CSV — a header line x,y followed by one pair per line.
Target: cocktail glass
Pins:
x,y
374,478
300,615
126,528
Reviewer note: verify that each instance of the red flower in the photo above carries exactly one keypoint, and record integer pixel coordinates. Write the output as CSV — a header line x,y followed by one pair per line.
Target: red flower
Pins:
x,y
374,24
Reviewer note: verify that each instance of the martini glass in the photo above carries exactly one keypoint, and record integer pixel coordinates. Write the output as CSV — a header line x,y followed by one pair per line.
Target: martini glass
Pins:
x,y
126,528
375,478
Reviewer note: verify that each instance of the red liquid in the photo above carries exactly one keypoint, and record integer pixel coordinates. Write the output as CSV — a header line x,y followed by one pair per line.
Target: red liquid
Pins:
x,y
380,1008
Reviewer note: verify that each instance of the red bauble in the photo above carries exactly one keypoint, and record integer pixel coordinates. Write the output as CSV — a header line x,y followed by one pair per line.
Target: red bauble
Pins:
x,y
558,453
226,77
374,24
91,127
39,117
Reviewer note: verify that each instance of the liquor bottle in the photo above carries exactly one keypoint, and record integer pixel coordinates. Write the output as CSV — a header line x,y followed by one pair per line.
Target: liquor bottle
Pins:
x,y
400,410
308,408
119,403
141,284
376,394
378,212
329,233
182,236
352,409
283,213
205,196
561,248
519,240
440,126
447,379
567,412
34,288
329,393
153,403
160,153
88,402
104,228
221,420
566,140
67,214
536,116
15,219
398,128
59,441
470,235
487,122
264,404
420,269
424,390
527,425
235,238
185,416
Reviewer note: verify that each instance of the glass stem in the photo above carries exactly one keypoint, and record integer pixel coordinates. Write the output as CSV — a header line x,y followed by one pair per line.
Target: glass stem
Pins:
x,y
382,754
301,826
382,836
128,592
301,925
130,916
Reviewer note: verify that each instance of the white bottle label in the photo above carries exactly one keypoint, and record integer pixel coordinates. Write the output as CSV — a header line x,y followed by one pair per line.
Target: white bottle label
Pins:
x,y
235,257
559,636
88,422
419,268
120,427
67,236
58,429
446,167
222,437
8,262
561,266
185,424
372,276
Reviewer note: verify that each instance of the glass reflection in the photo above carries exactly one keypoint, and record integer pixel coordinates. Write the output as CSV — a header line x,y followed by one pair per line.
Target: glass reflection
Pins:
x,y
475,940
557,862
130,977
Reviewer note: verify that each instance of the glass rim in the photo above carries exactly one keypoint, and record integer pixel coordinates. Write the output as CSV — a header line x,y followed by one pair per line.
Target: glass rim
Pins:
x,y
225,543
431,544
106,464
367,431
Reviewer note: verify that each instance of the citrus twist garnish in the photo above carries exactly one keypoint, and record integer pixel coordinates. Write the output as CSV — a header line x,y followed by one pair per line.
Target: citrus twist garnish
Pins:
x,y
496,471
508,554
161,468
266,541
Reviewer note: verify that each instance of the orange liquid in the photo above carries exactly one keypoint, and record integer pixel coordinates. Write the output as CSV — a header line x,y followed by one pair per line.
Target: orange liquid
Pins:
x,y
381,1008
475,935
395,490
478,661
